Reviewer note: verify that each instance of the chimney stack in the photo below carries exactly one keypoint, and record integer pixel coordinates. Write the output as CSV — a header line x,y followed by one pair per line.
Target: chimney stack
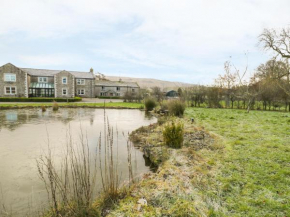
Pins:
x,y
91,70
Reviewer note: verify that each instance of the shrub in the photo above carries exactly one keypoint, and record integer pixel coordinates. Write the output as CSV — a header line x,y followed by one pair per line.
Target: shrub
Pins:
x,y
43,108
150,104
176,107
173,135
55,106
164,106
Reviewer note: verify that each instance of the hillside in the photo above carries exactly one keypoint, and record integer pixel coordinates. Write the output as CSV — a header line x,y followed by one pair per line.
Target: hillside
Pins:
x,y
150,82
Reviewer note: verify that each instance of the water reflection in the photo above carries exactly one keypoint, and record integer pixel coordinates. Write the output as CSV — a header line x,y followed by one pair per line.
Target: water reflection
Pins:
x,y
12,119
23,138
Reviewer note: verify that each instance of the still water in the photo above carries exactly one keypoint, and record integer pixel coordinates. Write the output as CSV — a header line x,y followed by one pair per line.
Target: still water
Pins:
x,y
26,133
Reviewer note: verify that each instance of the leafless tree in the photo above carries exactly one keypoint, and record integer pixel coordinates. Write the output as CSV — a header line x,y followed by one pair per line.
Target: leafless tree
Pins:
x,y
278,41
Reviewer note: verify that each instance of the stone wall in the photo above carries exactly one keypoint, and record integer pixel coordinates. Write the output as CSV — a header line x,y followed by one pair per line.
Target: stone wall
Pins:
x,y
50,79
89,87
20,83
59,86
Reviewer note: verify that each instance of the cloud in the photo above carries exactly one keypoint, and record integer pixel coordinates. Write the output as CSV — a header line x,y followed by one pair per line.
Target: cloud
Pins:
x,y
50,60
176,37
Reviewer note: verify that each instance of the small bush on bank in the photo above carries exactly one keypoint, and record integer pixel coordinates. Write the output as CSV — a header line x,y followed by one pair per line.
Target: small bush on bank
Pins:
x,y
43,108
39,99
150,104
55,106
176,107
173,135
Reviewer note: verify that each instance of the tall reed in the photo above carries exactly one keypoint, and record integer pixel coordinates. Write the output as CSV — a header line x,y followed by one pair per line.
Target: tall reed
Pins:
x,y
71,189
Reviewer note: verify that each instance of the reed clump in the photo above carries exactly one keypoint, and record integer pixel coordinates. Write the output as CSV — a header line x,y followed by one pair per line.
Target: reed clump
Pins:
x,y
55,106
43,108
176,107
173,134
72,187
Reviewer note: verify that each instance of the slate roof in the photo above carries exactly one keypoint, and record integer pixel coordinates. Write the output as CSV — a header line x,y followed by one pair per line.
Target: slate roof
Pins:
x,y
116,84
49,73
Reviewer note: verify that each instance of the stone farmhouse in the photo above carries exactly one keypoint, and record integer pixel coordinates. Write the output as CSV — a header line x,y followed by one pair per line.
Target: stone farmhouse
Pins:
x,y
28,82
119,88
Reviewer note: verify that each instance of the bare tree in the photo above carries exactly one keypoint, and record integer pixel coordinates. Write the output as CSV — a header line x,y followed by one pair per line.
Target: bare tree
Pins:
x,y
228,83
276,41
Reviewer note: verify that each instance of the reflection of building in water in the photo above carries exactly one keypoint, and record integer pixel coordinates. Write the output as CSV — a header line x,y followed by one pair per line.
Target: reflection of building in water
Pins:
x,y
11,116
12,119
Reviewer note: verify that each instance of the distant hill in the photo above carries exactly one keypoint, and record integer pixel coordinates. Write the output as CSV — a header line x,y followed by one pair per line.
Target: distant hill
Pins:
x,y
150,82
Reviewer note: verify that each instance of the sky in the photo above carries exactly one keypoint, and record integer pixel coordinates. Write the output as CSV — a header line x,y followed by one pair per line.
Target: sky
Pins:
x,y
174,40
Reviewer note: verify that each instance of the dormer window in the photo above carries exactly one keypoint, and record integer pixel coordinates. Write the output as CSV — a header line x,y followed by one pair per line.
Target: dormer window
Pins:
x,y
9,77
64,80
42,79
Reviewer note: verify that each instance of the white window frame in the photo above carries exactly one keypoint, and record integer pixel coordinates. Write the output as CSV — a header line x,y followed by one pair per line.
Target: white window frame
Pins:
x,y
81,81
10,90
65,80
41,79
80,91
9,76
65,91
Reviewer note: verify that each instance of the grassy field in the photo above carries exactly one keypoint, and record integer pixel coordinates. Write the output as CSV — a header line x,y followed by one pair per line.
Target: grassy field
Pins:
x,y
254,171
74,105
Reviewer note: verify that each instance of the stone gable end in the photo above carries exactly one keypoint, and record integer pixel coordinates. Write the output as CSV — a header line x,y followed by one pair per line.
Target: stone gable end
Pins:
x,y
59,86
20,84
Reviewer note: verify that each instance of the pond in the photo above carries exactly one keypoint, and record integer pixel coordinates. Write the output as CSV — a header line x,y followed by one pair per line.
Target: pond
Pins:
x,y
26,133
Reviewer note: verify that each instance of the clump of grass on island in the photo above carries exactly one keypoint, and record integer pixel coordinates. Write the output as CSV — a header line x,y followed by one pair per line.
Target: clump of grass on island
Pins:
x,y
173,134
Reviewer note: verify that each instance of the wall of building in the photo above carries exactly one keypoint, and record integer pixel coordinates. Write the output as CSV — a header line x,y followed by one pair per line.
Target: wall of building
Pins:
x,y
50,79
89,88
59,86
123,90
20,84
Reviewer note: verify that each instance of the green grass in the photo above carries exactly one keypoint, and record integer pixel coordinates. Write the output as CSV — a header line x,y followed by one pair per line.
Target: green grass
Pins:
x,y
254,177
69,105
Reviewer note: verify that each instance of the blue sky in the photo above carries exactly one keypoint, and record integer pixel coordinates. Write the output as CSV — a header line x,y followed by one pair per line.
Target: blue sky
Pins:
x,y
183,40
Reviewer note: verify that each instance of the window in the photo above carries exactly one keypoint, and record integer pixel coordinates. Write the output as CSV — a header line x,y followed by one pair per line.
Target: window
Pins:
x,y
81,92
103,87
64,80
64,91
80,81
10,90
103,94
133,90
118,88
10,77
42,79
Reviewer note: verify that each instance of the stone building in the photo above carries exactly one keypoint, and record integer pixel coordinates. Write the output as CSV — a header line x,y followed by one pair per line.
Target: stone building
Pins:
x,y
104,88
27,82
